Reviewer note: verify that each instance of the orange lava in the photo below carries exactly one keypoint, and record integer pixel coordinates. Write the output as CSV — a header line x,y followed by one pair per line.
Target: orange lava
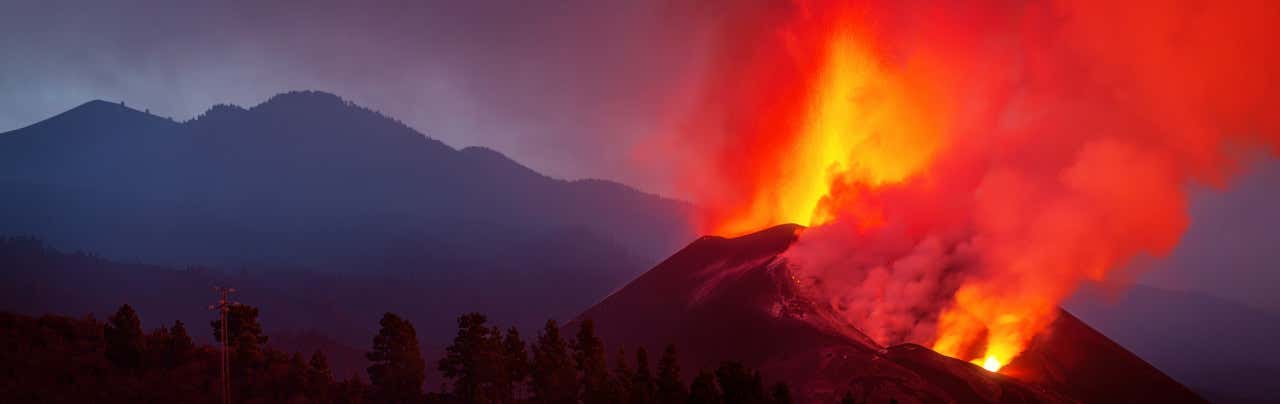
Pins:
x,y
1050,143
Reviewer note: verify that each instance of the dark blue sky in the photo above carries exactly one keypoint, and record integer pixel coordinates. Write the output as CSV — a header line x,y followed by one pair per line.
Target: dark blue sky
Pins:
x,y
566,87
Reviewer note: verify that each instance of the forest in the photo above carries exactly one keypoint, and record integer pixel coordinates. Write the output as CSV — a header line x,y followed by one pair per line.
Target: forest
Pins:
x,y
53,358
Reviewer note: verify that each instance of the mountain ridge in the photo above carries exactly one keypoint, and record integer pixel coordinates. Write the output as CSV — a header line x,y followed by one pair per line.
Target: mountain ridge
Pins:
x,y
316,152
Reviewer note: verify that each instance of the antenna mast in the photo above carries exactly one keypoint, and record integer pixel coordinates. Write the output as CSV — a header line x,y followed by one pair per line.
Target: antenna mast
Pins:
x,y
223,306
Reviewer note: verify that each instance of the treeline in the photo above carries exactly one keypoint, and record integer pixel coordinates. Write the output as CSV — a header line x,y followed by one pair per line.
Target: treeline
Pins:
x,y
486,365
57,359
63,359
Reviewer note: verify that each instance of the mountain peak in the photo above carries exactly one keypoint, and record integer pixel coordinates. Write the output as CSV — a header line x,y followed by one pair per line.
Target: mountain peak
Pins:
x,y
98,103
99,108
308,99
96,114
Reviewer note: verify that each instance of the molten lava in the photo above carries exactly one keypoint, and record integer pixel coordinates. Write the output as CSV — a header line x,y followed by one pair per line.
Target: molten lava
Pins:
x,y
964,167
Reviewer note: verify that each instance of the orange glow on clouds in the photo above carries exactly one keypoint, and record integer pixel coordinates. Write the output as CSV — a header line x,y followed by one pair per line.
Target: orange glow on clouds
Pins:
x,y
964,166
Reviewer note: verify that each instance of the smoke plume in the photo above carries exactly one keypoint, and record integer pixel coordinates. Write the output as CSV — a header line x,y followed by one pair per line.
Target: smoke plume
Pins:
x,y
964,166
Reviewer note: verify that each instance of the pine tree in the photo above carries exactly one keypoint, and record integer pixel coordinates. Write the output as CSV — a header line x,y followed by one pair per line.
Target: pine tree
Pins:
x,y
125,341
180,345
642,389
398,370
353,390
739,384
245,336
670,387
293,384
848,398
516,362
319,377
592,365
622,377
474,361
781,394
704,390
554,378
157,353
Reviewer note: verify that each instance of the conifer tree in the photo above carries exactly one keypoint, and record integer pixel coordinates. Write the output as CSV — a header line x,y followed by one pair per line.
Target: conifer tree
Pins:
x,y
398,370
319,377
157,353
353,390
180,344
474,360
125,341
704,390
293,384
589,354
642,389
516,362
245,335
622,377
670,388
553,374
739,384
780,394
848,398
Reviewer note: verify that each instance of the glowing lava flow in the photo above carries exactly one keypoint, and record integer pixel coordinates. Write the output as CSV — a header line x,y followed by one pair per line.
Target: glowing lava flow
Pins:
x,y
861,123
963,168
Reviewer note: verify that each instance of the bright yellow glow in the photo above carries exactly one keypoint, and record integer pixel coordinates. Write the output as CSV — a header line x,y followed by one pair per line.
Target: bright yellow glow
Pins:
x,y
991,364
864,124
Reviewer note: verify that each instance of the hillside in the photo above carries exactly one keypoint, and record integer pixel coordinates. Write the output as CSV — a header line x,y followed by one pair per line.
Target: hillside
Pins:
x,y
734,298
306,179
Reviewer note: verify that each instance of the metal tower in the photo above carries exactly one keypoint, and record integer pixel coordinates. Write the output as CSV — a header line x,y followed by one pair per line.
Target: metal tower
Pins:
x,y
223,306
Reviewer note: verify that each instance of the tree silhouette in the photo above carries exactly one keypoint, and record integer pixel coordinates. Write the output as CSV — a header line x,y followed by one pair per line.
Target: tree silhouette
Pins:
x,y
156,354
180,344
516,361
622,377
671,389
848,398
588,352
55,352
245,337
780,394
641,390
704,390
319,377
474,361
554,378
351,391
123,335
739,384
398,370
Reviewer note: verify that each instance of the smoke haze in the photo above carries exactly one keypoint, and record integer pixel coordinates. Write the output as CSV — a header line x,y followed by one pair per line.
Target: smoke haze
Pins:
x,y
965,166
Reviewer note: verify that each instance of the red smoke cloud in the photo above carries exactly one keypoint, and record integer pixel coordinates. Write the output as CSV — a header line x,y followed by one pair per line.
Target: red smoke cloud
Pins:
x,y
963,166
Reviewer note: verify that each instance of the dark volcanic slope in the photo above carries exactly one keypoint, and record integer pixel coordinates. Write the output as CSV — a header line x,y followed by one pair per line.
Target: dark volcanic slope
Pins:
x,y
732,299
1075,359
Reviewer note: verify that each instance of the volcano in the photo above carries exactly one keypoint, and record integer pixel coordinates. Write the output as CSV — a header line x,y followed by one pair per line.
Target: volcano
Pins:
x,y
735,299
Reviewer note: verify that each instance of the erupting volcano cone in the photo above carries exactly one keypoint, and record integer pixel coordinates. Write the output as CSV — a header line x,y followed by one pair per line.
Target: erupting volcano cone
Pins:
x,y
733,299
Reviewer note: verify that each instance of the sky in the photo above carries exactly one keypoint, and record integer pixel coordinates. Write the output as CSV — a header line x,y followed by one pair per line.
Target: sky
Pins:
x,y
565,87
569,88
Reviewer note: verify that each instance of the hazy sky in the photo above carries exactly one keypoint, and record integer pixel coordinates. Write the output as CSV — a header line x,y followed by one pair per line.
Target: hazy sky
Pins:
x,y
566,87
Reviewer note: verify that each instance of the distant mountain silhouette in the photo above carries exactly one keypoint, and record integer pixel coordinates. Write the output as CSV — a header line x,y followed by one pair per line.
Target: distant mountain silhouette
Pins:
x,y
327,213
1223,349
723,298
307,179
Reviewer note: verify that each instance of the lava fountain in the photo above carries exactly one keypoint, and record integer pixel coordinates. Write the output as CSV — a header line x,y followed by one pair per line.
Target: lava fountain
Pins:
x,y
964,166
